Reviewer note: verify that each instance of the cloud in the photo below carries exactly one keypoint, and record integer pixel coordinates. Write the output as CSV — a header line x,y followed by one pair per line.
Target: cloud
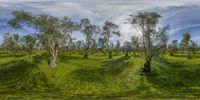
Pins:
x,y
182,19
177,13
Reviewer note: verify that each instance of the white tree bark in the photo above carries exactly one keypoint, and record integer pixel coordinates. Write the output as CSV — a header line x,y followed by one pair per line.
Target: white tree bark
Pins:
x,y
52,63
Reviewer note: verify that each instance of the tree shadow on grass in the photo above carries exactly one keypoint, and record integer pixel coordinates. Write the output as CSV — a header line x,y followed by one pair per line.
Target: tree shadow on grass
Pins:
x,y
183,56
179,55
172,81
14,70
24,75
66,58
10,55
114,67
3,56
141,91
176,80
111,67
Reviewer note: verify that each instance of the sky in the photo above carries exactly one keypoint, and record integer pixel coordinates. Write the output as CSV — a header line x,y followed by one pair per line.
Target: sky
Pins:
x,y
181,15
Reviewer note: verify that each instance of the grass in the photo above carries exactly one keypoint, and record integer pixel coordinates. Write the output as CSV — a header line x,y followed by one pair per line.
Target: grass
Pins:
x,y
25,77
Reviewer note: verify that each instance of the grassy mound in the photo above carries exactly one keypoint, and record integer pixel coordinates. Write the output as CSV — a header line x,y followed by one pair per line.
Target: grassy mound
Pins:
x,y
26,77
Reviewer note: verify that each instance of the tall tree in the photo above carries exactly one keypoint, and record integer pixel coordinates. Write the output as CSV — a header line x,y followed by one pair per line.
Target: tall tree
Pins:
x,y
194,46
110,29
127,48
102,44
135,44
11,43
79,45
5,42
117,48
94,46
185,41
50,29
153,39
30,43
16,40
173,47
88,30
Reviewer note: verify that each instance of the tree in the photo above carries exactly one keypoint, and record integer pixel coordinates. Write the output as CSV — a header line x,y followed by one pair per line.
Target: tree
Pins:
x,y
16,40
185,41
52,31
127,48
102,44
173,47
5,42
70,45
29,42
109,29
117,47
181,47
135,44
94,46
79,45
110,48
194,46
11,43
68,27
153,39
88,30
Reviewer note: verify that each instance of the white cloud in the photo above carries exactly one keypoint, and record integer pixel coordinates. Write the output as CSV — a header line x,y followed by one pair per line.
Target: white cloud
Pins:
x,y
97,11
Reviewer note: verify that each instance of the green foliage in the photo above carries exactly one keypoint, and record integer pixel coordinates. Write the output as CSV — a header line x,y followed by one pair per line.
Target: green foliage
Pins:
x,y
153,40
108,30
29,43
185,42
173,47
11,43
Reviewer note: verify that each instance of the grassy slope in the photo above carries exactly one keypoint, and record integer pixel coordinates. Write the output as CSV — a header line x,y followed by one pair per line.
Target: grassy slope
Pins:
x,y
75,77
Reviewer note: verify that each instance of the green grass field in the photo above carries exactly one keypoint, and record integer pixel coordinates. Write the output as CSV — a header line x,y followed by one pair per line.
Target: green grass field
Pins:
x,y
25,77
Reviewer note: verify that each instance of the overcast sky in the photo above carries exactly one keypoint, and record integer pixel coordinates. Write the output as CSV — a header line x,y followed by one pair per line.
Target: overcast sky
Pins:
x,y
181,15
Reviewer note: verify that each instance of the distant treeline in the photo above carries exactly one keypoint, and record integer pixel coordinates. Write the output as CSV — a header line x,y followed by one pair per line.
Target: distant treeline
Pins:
x,y
54,36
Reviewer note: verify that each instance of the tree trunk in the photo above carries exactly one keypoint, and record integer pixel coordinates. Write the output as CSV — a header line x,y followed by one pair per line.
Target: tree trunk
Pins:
x,y
171,54
188,53
86,55
110,54
126,54
104,53
13,53
52,63
147,66
86,52
134,52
